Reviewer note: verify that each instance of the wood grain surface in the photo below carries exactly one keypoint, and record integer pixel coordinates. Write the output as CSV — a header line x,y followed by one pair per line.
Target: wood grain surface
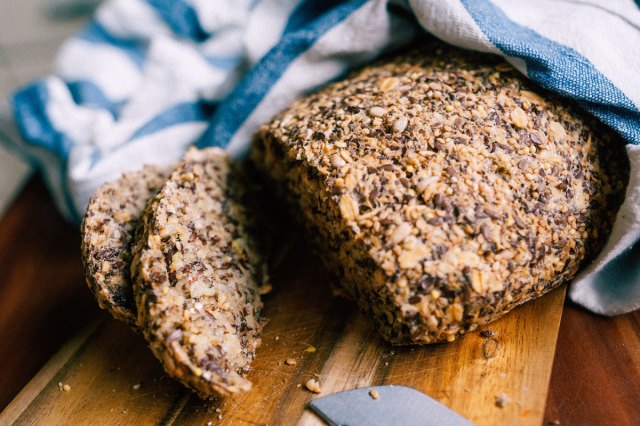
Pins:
x,y
43,299
114,379
596,374
44,302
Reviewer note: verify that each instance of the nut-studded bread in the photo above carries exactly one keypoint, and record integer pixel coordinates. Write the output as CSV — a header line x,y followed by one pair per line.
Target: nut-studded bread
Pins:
x,y
107,232
196,277
444,189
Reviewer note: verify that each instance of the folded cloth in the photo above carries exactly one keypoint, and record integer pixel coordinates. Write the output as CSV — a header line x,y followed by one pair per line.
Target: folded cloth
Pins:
x,y
147,78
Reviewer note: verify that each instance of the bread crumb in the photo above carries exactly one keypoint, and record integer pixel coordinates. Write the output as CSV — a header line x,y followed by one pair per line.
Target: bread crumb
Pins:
x,y
374,393
502,399
136,386
265,289
290,361
66,388
486,333
313,385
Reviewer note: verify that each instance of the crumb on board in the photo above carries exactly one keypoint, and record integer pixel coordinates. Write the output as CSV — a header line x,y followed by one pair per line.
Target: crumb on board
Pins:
x,y
374,393
64,387
136,386
313,385
486,333
290,361
265,289
277,338
310,349
502,399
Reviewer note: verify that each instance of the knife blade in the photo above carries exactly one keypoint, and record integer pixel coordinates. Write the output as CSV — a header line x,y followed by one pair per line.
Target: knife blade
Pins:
x,y
395,405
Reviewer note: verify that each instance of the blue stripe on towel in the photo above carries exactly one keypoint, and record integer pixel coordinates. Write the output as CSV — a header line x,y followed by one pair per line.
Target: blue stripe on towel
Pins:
x,y
307,11
32,118
177,114
181,17
559,68
253,88
30,106
87,93
94,32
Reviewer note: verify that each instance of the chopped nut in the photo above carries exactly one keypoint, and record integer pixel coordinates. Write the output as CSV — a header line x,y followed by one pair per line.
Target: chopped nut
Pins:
x,y
400,233
313,385
348,207
337,160
400,124
477,281
531,97
458,311
290,361
557,131
519,118
66,388
374,393
377,111
409,259
136,386
388,84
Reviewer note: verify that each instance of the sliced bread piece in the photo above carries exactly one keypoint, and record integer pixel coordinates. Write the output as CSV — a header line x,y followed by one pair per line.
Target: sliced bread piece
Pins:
x,y
196,277
107,230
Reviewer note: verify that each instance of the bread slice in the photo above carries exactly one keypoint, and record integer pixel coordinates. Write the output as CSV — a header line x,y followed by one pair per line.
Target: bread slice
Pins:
x,y
444,189
196,277
107,230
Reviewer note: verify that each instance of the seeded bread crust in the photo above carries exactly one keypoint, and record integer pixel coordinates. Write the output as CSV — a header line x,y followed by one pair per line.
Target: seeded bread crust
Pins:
x,y
444,189
107,232
196,277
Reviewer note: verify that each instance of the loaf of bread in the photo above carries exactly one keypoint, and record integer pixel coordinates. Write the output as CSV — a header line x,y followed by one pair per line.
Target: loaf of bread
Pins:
x,y
444,189
196,276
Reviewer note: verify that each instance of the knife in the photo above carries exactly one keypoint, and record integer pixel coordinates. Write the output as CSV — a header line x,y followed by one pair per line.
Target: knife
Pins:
x,y
384,406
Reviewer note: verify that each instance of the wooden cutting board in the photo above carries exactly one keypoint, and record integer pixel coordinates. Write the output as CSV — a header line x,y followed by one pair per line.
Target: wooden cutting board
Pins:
x,y
113,379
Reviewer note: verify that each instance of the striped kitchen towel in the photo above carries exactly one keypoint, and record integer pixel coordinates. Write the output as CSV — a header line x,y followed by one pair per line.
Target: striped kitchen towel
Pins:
x,y
147,78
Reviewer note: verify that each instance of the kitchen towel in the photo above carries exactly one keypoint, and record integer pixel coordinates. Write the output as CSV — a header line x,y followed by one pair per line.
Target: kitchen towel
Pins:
x,y
147,78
